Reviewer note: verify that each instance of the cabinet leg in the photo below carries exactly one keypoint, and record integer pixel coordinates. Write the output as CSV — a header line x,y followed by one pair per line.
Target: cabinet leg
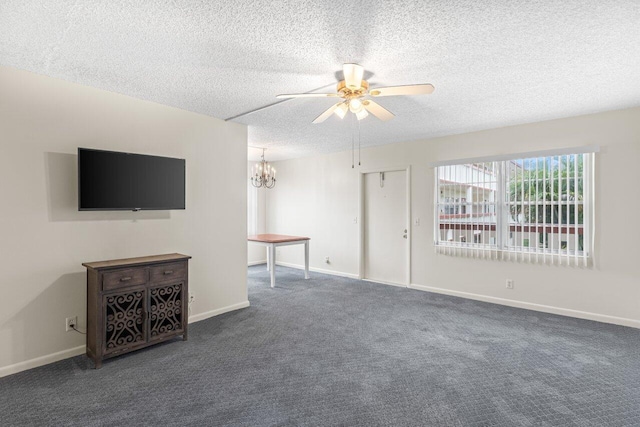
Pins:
x,y
98,363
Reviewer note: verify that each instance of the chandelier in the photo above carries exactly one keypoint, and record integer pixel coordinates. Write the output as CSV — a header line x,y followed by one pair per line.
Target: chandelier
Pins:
x,y
263,175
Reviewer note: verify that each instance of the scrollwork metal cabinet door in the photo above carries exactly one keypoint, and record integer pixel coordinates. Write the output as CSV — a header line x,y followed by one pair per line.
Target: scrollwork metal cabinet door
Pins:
x,y
124,320
166,315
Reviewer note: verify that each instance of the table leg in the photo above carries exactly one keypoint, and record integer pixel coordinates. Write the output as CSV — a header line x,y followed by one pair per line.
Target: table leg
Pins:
x,y
306,259
272,262
268,257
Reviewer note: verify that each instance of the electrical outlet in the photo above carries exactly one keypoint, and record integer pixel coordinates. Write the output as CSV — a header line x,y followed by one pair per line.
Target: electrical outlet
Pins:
x,y
355,220
326,259
70,323
509,284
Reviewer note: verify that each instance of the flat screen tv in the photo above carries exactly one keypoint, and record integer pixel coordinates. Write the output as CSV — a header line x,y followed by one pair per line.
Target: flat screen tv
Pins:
x,y
110,180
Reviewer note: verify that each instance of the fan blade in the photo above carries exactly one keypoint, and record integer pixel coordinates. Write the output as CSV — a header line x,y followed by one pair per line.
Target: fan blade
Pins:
x,y
423,89
324,116
307,95
353,75
378,110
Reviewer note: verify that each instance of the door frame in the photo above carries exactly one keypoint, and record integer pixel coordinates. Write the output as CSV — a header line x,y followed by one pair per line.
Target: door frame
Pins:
x,y
362,173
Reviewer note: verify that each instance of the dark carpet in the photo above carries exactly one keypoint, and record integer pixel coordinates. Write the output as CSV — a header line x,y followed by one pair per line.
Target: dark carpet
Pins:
x,y
335,351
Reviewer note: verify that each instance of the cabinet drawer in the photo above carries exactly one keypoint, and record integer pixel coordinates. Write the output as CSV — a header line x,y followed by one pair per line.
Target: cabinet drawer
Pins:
x,y
164,272
121,278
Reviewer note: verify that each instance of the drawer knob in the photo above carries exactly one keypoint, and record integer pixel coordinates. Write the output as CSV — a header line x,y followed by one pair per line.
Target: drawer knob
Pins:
x,y
168,272
124,279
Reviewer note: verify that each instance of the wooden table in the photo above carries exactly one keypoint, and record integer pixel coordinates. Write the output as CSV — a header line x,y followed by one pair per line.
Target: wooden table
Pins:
x,y
273,240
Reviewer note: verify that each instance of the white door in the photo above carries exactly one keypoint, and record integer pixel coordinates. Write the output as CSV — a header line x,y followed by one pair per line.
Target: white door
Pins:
x,y
385,227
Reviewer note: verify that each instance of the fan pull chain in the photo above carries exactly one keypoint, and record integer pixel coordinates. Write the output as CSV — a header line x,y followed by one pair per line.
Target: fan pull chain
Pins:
x,y
352,143
358,142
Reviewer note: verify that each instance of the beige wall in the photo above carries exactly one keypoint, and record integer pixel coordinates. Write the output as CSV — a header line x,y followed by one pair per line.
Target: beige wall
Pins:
x,y
325,207
44,237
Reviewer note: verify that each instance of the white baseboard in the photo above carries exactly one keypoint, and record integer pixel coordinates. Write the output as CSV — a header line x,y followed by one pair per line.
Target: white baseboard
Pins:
x,y
76,351
257,262
397,285
207,314
318,270
42,360
532,306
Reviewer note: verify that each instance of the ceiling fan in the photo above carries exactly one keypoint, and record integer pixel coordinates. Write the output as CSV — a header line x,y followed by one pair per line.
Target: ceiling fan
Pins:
x,y
353,90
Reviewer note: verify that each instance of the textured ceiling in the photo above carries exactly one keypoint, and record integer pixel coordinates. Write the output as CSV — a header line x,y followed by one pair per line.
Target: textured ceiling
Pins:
x,y
493,63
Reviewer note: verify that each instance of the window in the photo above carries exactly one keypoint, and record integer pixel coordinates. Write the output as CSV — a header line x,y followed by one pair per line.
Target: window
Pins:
x,y
532,208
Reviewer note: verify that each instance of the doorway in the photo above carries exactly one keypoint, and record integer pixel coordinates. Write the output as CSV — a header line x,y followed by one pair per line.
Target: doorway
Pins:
x,y
385,201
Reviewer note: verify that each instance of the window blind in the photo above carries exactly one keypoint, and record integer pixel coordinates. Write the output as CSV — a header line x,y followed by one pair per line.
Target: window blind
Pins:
x,y
527,209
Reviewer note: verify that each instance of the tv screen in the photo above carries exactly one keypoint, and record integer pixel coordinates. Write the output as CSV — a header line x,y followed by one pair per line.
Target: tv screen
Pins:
x,y
110,180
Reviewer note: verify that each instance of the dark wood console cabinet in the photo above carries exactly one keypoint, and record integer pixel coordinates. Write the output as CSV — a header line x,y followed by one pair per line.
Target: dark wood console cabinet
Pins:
x,y
134,303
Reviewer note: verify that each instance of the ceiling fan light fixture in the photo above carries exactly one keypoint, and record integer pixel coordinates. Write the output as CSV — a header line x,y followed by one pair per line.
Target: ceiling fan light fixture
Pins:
x,y
362,114
353,90
355,105
341,110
